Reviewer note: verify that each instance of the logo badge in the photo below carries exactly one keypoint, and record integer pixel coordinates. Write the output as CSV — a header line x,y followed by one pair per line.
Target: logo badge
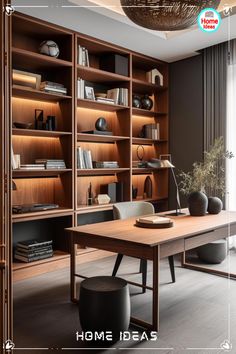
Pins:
x,y
209,20
9,345
8,10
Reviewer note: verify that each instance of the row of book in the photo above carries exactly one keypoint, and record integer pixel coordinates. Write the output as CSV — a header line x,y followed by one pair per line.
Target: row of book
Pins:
x,y
33,250
53,87
152,131
83,57
42,164
119,95
84,161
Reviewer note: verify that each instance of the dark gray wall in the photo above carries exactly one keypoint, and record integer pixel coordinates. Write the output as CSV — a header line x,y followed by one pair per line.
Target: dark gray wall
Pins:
x,y
186,116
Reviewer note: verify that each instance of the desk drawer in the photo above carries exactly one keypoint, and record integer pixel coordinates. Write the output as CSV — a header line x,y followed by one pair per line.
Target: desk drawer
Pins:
x,y
206,237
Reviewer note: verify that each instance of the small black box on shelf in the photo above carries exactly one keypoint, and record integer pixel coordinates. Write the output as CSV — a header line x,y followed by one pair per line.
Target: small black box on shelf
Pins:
x,y
109,189
115,63
119,191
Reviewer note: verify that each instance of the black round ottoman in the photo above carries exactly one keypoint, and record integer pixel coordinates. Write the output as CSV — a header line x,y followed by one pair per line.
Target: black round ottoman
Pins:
x,y
104,305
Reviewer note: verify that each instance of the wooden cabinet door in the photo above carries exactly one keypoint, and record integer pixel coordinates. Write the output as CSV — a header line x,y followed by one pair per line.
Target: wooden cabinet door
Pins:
x,y
5,180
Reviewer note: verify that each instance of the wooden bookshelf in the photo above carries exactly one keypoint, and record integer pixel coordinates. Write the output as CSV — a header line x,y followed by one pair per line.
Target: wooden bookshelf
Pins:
x,y
74,116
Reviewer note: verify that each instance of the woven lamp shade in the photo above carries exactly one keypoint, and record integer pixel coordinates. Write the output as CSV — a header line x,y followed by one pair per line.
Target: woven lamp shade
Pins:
x,y
165,15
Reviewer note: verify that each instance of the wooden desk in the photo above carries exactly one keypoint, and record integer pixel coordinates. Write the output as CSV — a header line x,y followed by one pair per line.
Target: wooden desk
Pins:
x,y
122,236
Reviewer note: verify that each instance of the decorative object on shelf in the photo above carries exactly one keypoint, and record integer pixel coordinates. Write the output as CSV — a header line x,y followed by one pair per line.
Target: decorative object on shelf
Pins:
x,y
154,163
147,191
134,192
214,252
207,175
49,48
33,250
115,63
101,124
21,125
100,95
215,205
146,102
51,123
23,78
38,119
13,186
136,102
103,199
140,156
161,15
197,204
166,162
89,93
90,195
155,77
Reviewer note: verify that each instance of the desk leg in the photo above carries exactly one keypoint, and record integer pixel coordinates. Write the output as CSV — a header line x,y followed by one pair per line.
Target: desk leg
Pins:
x,y
155,294
73,251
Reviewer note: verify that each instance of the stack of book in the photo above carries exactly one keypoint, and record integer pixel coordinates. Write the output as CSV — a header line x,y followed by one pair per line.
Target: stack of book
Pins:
x,y
83,57
105,164
33,250
32,166
51,163
80,88
84,158
105,100
119,95
152,131
53,87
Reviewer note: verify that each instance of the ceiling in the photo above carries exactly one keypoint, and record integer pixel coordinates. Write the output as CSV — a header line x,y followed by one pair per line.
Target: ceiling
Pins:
x,y
104,19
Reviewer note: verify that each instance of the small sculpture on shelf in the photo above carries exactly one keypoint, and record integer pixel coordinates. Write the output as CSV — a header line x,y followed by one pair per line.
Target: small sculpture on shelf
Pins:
x,y
140,156
134,192
155,77
49,48
146,102
136,101
101,128
50,123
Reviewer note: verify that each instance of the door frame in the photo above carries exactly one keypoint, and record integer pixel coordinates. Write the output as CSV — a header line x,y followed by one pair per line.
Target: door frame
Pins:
x,y
6,322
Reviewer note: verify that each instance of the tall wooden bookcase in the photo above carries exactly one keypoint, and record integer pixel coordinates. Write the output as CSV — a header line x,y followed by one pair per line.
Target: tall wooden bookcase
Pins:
x,y
68,187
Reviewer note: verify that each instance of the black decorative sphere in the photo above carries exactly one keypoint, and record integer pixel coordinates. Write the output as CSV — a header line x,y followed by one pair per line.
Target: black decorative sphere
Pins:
x,y
197,203
101,124
136,102
215,205
146,103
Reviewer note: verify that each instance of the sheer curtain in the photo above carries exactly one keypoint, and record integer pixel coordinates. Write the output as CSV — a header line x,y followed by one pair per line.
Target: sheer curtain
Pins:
x,y
231,134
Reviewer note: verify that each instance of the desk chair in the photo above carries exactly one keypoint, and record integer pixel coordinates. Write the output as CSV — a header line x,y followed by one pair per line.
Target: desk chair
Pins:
x,y
126,210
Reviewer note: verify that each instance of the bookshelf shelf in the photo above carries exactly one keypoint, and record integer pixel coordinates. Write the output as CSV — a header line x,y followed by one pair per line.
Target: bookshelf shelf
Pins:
x,y
100,171
138,171
100,138
97,75
85,103
145,87
41,133
145,141
58,255
32,94
84,209
146,113
60,212
38,173
28,60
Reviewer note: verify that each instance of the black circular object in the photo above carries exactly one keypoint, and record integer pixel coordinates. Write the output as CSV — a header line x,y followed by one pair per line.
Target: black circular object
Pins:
x,y
104,305
146,103
215,205
101,124
136,102
197,203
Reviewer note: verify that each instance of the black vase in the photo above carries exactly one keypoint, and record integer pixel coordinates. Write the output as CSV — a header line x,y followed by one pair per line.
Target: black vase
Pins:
x,y
146,102
215,205
148,187
101,124
197,203
136,102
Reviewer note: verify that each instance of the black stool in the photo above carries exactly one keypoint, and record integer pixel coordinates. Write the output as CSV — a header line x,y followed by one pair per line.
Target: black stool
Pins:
x,y
104,305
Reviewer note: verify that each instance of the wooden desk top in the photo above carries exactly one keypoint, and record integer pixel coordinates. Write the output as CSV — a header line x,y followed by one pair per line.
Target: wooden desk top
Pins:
x,y
125,230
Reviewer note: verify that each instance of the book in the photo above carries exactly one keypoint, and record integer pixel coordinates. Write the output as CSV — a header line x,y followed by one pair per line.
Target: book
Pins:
x,y
154,219
80,88
34,244
33,254
32,259
83,57
30,252
32,167
97,132
84,158
113,94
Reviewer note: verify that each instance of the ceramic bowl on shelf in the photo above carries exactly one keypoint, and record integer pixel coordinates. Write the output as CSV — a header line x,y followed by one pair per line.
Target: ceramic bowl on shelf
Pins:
x,y
20,125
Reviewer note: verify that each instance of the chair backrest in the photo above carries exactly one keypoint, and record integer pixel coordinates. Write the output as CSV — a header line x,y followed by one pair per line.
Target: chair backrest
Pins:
x,y
126,210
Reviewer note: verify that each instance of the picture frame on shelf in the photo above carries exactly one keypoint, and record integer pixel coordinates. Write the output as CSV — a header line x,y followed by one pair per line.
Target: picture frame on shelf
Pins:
x,y
89,93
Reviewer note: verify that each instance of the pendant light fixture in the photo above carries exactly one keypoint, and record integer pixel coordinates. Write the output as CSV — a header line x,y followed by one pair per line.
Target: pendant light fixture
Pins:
x,y
165,15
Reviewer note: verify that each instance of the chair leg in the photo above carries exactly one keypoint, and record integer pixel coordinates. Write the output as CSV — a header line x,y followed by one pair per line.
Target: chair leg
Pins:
x,y
143,267
172,268
117,264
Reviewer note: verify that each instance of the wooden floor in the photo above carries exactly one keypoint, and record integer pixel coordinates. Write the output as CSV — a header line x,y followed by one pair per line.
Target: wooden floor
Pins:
x,y
197,313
